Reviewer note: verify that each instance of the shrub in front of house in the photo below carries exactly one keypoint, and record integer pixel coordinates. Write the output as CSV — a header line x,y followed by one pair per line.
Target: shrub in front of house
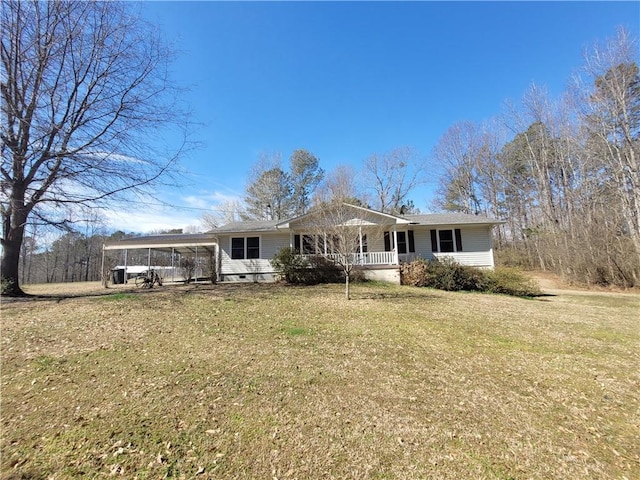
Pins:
x,y
289,265
323,270
448,275
296,269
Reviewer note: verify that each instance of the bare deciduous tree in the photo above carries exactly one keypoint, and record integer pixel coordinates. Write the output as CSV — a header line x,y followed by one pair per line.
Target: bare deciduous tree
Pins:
x,y
459,153
225,212
84,94
392,176
343,229
340,184
612,116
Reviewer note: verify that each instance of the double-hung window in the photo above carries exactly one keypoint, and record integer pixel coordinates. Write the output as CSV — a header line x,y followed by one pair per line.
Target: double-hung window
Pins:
x,y
406,242
245,247
446,241
253,247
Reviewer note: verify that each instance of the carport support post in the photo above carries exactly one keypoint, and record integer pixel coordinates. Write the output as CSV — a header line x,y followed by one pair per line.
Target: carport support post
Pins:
x,y
195,270
105,280
126,274
173,253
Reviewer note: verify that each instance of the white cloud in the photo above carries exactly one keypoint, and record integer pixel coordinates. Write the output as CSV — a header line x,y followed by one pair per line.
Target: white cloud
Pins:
x,y
188,211
144,219
209,200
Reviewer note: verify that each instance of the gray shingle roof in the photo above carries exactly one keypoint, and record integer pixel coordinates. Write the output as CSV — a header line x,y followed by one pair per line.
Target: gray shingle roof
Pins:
x,y
247,226
451,219
422,219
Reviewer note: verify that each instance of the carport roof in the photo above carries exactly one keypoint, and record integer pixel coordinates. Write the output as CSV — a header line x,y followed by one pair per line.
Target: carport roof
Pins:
x,y
181,243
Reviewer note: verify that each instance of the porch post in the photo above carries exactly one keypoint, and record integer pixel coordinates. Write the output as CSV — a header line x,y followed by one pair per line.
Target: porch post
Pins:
x,y
218,260
395,246
360,241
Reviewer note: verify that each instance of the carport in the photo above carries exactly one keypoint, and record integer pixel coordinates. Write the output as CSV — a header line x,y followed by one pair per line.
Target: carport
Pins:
x,y
198,245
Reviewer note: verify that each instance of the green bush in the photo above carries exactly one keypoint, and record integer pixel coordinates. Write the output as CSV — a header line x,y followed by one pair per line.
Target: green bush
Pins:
x,y
449,275
323,270
289,265
296,269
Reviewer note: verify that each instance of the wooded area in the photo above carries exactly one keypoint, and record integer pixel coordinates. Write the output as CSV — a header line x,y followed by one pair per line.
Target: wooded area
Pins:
x,y
564,174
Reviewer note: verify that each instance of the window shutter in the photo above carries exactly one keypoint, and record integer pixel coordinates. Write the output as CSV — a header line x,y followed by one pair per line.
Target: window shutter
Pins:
x,y
412,243
434,241
387,242
296,243
458,240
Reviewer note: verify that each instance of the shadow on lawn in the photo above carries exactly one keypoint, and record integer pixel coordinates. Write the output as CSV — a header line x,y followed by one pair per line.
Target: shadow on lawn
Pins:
x,y
392,296
129,291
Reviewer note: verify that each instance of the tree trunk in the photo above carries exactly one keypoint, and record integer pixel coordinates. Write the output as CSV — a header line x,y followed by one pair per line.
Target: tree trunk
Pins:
x,y
346,286
10,262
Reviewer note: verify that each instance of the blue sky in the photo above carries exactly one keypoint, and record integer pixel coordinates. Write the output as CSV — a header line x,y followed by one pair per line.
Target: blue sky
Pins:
x,y
345,80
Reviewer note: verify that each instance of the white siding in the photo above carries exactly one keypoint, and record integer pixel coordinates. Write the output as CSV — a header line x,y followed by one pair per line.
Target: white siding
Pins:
x,y
375,243
254,268
476,245
271,243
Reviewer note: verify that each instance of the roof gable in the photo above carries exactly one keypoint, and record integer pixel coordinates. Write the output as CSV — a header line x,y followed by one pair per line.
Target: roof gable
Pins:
x,y
349,215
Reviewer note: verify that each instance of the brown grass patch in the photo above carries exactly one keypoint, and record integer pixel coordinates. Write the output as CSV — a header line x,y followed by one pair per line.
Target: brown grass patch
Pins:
x,y
264,381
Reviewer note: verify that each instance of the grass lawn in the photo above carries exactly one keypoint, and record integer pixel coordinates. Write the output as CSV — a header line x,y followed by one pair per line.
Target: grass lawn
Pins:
x,y
268,381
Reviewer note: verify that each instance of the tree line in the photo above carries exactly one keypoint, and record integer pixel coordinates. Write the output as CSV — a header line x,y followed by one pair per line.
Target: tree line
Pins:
x,y
384,182
563,173
77,255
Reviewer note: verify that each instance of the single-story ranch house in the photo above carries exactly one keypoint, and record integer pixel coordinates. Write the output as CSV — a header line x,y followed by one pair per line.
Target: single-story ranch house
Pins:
x,y
242,250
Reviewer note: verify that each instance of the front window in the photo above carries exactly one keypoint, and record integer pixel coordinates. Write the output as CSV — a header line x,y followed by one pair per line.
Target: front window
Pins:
x,y
446,241
253,247
237,248
406,241
402,242
242,248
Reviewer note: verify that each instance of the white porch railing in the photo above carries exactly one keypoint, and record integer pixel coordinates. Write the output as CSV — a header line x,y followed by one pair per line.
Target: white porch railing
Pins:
x,y
369,258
